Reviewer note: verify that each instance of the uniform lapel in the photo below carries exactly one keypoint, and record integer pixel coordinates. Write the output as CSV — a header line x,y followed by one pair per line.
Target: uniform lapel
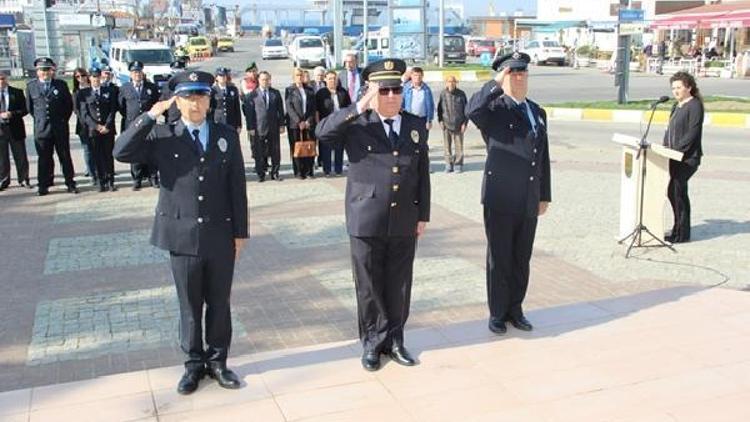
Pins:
x,y
375,125
181,132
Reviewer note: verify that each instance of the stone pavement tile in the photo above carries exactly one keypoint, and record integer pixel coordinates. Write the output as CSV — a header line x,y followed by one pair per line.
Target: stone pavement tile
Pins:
x,y
97,389
646,416
601,405
732,350
731,408
513,414
209,395
17,417
122,408
737,372
295,378
647,299
566,314
255,411
323,401
366,414
459,404
12,402
92,209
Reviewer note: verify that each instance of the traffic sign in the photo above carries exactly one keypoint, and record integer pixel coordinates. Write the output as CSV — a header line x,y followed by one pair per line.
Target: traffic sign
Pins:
x,y
630,15
485,58
629,28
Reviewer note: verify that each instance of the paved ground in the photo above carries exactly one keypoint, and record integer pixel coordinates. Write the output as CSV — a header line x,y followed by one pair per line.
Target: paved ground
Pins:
x,y
644,357
84,295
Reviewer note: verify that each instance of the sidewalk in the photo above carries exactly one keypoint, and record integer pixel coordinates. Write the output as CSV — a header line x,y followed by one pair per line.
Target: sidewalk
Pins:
x,y
652,356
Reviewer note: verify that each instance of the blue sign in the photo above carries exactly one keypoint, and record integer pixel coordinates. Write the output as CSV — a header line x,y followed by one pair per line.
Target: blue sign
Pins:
x,y
485,58
7,21
630,15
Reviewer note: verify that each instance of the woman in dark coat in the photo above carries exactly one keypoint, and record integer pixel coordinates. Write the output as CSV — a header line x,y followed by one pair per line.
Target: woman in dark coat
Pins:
x,y
684,134
80,81
300,109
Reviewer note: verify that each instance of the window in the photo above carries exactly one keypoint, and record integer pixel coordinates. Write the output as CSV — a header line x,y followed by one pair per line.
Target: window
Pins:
x,y
384,43
198,41
149,56
273,43
310,43
551,44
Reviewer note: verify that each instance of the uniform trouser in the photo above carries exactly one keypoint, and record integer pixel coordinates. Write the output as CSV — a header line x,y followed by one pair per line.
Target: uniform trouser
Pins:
x,y
266,147
677,192
46,164
141,171
18,149
88,156
382,268
337,162
101,151
453,147
510,239
204,280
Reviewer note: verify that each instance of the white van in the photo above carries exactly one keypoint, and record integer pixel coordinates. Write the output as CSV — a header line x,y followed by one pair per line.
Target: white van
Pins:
x,y
156,59
378,46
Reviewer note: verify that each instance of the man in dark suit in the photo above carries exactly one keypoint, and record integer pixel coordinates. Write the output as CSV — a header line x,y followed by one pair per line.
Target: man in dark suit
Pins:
x,y
49,102
264,117
173,114
328,100
350,78
12,134
201,217
387,205
98,108
516,186
135,97
300,111
225,100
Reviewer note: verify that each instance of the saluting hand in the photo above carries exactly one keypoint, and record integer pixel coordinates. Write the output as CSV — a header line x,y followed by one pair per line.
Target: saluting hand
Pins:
x,y
161,106
367,100
500,76
543,208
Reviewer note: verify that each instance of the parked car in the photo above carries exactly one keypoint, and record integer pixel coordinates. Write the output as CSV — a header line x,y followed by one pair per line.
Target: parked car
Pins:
x,y
307,51
273,48
198,45
454,49
545,51
471,45
485,46
226,44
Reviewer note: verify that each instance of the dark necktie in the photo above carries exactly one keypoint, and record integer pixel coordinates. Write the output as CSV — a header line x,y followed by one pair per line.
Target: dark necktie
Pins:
x,y
3,104
197,141
392,135
46,87
525,114
264,94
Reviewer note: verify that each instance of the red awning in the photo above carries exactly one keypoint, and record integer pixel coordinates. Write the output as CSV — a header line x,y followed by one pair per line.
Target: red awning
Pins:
x,y
735,15
734,19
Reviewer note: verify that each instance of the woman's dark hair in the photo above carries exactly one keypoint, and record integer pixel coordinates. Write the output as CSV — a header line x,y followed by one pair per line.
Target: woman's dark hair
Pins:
x,y
76,83
689,81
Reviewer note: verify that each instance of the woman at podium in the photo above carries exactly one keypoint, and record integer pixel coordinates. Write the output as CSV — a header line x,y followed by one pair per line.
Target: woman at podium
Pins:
x,y
684,134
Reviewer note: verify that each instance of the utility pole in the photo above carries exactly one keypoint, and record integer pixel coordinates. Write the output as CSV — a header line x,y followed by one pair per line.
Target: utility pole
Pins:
x,y
364,32
441,34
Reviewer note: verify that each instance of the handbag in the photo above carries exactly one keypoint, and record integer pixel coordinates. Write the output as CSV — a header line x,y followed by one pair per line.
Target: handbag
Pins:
x,y
305,149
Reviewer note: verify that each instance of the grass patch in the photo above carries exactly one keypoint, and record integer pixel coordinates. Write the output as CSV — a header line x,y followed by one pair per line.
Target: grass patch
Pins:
x,y
451,66
21,83
711,104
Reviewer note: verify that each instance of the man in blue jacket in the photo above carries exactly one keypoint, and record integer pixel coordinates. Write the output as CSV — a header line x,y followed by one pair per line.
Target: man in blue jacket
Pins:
x,y
418,98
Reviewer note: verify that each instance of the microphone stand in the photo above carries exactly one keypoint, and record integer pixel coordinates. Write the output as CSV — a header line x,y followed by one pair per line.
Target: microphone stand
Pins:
x,y
636,236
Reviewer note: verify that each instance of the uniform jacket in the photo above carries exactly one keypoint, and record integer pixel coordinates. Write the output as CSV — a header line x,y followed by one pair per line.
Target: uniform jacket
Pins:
x,y
387,190
226,108
295,112
265,121
17,108
51,111
132,105
451,109
95,111
517,170
202,201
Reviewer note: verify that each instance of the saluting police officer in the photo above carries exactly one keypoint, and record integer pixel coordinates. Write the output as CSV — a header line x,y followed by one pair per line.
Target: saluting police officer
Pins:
x,y
516,186
225,100
98,108
136,97
50,104
387,205
173,114
201,217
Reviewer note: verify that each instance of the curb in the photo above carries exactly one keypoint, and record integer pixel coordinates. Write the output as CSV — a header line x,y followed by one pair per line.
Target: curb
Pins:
x,y
461,75
730,120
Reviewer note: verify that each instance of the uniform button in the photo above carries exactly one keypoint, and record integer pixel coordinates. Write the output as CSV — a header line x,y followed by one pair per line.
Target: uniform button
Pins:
x,y
177,156
531,178
200,178
395,153
533,163
489,173
202,159
395,188
369,148
200,197
393,204
395,169
534,150
200,219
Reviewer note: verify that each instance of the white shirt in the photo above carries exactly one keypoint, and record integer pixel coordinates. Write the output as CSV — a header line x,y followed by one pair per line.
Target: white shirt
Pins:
x,y
335,98
304,99
396,124
417,102
203,132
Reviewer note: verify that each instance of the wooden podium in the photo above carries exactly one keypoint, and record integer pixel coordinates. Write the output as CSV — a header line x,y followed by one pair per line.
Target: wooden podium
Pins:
x,y
644,178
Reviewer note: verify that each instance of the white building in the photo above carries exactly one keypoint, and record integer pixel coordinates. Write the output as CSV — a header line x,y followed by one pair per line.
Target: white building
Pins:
x,y
13,6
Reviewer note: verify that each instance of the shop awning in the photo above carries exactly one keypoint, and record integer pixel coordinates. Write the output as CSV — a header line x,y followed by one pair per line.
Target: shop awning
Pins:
x,y
732,15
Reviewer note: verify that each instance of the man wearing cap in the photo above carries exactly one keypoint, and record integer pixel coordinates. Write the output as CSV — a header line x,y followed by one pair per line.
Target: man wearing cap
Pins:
x,y
173,114
264,117
225,101
387,205
12,134
201,218
50,103
137,96
516,186
108,82
97,106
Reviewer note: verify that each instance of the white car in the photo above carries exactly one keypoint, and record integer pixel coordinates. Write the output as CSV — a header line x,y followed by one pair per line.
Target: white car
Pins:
x,y
545,51
308,51
273,48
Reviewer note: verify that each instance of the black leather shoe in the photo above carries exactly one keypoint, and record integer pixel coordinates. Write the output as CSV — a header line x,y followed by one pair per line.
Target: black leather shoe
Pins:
x,y
261,178
371,361
401,356
521,323
28,185
497,326
102,188
112,187
137,185
225,377
73,189
190,379
42,192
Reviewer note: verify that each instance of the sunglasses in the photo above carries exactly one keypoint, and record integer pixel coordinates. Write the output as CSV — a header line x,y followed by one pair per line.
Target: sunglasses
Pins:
x,y
396,90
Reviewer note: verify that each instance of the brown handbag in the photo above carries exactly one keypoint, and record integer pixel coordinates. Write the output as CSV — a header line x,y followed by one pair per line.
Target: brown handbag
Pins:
x,y
305,149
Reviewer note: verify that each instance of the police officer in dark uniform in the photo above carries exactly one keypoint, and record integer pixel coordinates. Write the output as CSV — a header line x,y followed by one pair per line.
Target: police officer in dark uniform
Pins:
x,y
225,100
50,103
201,217
387,205
135,97
516,185
98,108
173,114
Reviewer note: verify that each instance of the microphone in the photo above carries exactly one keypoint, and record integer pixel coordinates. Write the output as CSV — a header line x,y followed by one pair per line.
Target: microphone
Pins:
x,y
662,99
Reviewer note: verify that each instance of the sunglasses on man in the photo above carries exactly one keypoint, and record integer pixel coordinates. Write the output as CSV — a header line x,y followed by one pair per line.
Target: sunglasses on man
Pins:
x,y
396,90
